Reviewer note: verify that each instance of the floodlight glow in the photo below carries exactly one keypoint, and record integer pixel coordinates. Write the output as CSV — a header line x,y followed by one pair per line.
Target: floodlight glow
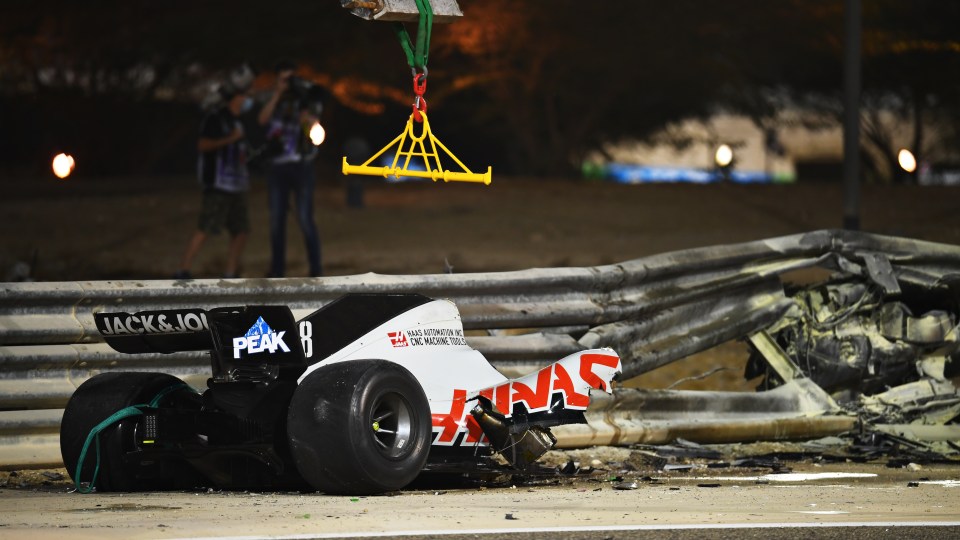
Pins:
x,y
907,160
317,134
63,165
724,155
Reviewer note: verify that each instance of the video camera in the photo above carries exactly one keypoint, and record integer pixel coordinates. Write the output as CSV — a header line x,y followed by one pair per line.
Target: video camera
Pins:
x,y
308,94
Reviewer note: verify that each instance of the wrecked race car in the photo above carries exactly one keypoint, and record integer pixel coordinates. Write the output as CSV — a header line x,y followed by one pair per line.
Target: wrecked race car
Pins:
x,y
852,339
872,334
883,352
359,397
846,332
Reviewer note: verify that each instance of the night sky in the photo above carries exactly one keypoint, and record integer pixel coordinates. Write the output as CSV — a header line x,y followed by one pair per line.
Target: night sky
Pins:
x,y
535,85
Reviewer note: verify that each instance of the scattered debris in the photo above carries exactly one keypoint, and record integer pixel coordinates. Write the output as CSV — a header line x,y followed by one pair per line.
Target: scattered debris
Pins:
x,y
687,449
877,342
571,467
848,333
641,459
763,462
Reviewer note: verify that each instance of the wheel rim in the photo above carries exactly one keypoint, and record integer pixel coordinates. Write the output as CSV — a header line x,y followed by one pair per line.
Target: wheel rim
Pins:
x,y
392,425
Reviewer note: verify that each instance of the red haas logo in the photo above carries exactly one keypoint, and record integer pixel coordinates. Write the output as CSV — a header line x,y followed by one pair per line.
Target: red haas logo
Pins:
x,y
398,339
573,377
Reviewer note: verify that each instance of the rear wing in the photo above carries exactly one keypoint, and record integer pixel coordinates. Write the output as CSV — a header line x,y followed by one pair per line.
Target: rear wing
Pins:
x,y
166,331
261,333
254,334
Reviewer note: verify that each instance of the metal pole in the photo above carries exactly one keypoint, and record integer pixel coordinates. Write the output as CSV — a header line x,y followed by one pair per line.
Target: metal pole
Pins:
x,y
851,115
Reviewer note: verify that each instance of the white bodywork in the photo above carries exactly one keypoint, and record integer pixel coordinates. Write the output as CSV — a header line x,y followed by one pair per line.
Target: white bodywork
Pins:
x,y
428,341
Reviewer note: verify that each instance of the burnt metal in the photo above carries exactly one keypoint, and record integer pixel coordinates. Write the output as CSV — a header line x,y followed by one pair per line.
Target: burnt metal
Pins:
x,y
521,448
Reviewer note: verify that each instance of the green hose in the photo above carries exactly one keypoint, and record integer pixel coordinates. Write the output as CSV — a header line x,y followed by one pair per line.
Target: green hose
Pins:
x,y
127,412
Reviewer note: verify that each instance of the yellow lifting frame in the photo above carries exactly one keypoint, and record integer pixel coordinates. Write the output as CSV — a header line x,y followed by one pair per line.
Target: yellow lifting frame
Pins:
x,y
416,147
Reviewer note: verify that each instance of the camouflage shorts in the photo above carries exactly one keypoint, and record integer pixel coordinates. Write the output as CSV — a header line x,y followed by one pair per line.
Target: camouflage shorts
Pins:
x,y
221,209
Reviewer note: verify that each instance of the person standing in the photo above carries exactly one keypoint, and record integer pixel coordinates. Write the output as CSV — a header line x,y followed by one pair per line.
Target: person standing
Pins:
x,y
288,119
224,177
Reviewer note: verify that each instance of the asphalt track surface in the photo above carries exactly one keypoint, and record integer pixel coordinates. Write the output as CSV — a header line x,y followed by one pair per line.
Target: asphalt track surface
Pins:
x,y
873,502
846,531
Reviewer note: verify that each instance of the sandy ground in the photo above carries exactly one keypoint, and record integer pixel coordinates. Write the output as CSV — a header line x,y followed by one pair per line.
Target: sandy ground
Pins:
x,y
136,228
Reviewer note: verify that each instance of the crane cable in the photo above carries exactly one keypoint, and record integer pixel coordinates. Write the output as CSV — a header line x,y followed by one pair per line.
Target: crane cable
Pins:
x,y
408,144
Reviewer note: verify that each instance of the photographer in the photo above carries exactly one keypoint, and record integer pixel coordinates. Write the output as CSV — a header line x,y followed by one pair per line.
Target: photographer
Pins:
x,y
223,152
288,118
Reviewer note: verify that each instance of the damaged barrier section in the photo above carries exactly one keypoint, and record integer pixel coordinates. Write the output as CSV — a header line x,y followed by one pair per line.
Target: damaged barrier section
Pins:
x,y
849,333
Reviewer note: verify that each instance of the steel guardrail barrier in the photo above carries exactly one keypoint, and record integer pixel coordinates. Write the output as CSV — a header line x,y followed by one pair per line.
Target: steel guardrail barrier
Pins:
x,y
653,311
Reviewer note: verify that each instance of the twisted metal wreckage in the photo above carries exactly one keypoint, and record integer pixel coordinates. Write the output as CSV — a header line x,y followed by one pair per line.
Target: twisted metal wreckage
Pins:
x,y
857,332
848,332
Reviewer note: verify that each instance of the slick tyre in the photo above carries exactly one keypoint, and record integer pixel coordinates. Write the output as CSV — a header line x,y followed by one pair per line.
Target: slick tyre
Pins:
x,y
359,427
96,400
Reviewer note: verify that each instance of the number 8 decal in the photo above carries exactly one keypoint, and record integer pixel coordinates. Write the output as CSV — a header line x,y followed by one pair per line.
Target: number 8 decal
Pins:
x,y
306,338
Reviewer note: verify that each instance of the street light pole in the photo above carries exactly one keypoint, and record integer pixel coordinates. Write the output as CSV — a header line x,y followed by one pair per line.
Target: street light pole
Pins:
x,y
851,115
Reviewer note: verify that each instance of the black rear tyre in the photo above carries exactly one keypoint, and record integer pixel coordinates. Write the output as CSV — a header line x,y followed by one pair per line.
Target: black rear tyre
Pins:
x,y
99,398
359,427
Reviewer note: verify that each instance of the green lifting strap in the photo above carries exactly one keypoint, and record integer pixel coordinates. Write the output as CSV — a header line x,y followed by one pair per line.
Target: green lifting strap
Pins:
x,y
94,436
417,59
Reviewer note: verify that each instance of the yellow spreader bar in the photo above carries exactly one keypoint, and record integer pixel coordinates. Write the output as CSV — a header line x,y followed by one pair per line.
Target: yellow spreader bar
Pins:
x,y
408,145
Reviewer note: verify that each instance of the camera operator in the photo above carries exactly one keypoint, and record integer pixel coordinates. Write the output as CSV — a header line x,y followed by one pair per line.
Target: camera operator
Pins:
x,y
288,117
223,152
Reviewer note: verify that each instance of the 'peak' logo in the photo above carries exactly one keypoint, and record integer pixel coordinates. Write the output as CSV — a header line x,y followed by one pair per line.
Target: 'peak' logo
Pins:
x,y
259,338
398,339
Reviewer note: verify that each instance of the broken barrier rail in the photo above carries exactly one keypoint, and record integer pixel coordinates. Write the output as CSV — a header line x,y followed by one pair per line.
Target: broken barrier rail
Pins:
x,y
652,310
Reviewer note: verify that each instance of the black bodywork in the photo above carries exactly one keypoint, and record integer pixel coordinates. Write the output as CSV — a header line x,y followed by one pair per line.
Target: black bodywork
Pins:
x,y
233,435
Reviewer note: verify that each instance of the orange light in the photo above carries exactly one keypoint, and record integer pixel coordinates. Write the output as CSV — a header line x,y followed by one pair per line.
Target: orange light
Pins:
x,y
317,134
63,165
